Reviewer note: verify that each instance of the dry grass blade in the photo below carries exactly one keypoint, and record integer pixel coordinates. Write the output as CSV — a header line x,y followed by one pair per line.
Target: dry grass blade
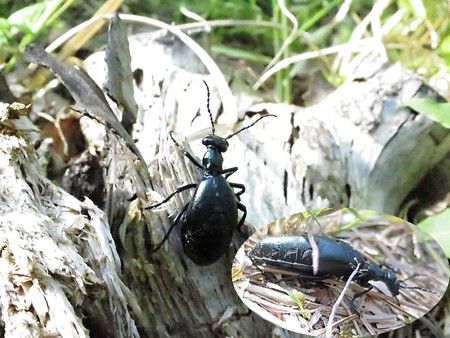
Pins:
x,y
219,80
83,36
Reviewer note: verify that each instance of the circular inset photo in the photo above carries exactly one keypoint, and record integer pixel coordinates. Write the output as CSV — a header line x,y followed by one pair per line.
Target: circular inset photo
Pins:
x,y
332,272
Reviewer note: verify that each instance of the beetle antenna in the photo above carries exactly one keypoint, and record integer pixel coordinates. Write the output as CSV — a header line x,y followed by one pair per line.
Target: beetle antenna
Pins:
x,y
415,274
208,95
404,286
247,127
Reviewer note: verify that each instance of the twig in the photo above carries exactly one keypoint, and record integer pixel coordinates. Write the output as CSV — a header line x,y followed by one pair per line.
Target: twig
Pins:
x,y
338,301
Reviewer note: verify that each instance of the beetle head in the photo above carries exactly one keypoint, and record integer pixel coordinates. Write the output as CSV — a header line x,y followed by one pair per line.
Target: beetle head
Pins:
x,y
392,283
213,159
384,280
216,142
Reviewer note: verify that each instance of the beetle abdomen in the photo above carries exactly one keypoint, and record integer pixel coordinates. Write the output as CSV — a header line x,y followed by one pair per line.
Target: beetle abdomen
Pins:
x,y
207,226
336,257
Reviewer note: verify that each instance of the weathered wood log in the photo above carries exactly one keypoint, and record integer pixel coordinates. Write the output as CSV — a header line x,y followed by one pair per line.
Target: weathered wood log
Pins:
x,y
59,263
372,147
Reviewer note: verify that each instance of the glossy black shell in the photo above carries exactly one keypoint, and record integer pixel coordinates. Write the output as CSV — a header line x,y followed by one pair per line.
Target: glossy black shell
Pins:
x,y
208,224
294,252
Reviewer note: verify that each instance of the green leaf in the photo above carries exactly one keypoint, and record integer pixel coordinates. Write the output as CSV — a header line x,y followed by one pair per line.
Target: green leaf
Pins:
x,y
35,17
438,227
240,53
301,302
27,16
444,46
5,29
436,111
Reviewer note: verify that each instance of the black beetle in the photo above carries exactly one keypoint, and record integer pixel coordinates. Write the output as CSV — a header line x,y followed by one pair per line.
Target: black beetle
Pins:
x,y
336,259
209,219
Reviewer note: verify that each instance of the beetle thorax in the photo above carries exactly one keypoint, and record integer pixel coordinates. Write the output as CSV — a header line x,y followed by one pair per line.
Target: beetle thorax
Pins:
x,y
212,161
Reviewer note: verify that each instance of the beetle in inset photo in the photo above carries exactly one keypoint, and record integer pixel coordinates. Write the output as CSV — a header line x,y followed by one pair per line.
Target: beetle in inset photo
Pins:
x,y
365,274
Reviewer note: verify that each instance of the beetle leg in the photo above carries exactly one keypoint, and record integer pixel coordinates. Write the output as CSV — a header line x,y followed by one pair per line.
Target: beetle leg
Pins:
x,y
175,221
258,268
358,295
301,278
185,152
241,207
179,189
238,186
228,172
